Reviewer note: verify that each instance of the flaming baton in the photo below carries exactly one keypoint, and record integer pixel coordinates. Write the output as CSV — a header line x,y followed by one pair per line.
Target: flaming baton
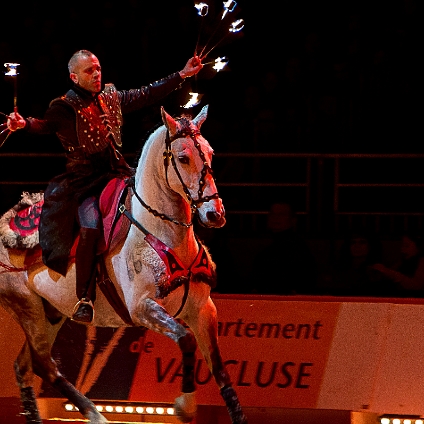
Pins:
x,y
12,71
220,62
236,26
193,101
229,6
202,11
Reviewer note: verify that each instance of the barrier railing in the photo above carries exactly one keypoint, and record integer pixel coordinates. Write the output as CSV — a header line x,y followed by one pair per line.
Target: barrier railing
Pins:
x,y
330,192
335,191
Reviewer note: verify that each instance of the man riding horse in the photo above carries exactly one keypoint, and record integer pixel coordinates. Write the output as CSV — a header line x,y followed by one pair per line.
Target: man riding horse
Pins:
x,y
87,120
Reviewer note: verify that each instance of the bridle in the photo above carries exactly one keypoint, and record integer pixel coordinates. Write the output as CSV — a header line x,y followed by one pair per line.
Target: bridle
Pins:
x,y
168,158
185,131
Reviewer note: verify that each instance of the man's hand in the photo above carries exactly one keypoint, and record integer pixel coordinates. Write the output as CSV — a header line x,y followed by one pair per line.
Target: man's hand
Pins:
x,y
15,121
192,67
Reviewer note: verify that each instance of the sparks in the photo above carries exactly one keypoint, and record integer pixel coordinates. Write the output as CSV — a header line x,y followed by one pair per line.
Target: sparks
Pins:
x,y
193,101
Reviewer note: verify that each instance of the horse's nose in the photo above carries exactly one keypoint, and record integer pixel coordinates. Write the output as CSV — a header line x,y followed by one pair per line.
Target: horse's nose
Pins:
x,y
215,216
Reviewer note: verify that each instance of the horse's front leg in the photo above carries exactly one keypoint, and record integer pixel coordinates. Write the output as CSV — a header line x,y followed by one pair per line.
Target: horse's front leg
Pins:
x,y
156,318
185,405
204,324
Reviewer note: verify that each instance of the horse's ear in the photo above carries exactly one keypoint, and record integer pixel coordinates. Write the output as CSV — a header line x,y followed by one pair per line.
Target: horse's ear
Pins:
x,y
169,121
200,118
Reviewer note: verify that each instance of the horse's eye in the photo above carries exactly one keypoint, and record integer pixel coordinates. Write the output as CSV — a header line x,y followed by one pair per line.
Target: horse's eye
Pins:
x,y
184,159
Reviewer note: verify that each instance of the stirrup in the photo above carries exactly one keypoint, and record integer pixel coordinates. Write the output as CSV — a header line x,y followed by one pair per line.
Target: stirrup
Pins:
x,y
83,301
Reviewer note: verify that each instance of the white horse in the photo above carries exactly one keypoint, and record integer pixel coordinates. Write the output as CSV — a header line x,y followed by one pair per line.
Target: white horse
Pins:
x,y
160,272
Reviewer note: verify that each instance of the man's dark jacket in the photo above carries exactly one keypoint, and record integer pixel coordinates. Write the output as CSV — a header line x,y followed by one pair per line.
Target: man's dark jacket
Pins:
x,y
88,127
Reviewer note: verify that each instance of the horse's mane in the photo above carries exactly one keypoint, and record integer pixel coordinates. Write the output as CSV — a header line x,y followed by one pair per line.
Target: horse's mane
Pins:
x,y
144,140
150,132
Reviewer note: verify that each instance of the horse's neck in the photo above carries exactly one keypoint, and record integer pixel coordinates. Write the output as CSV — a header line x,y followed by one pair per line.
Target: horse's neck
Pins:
x,y
179,238
158,196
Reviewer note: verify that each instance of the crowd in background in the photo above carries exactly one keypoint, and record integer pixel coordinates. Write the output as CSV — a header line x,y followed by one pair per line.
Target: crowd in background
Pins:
x,y
282,261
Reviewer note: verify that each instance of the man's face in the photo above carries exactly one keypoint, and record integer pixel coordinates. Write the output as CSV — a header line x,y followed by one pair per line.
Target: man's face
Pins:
x,y
88,74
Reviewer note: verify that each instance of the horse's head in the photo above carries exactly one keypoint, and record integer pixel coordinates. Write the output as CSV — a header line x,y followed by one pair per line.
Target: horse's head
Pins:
x,y
187,159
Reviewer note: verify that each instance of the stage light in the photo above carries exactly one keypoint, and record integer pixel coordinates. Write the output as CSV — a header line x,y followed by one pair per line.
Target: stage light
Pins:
x,y
400,419
127,408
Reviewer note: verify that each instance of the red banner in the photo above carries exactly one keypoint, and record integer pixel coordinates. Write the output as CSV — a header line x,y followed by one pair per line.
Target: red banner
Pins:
x,y
276,355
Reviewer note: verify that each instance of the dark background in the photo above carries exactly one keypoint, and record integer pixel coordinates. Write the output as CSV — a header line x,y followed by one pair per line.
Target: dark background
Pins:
x,y
303,76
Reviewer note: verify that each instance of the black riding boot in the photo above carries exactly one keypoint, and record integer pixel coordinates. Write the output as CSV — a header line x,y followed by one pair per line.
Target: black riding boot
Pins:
x,y
85,263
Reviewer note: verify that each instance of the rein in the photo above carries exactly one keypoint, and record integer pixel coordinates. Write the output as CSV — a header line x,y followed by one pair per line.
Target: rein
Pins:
x,y
154,212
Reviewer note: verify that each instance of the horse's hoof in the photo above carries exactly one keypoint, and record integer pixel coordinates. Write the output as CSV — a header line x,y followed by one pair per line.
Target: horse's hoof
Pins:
x,y
185,407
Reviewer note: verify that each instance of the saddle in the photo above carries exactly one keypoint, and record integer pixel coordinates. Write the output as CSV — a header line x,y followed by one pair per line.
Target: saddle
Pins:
x,y
115,228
